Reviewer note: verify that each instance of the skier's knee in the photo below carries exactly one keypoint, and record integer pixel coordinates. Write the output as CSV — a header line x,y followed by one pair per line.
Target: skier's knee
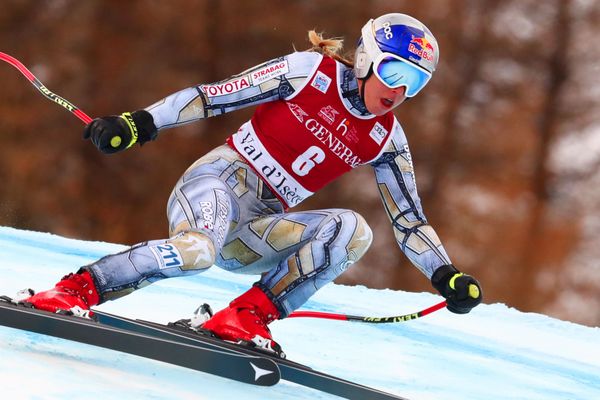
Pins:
x,y
197,251
361,239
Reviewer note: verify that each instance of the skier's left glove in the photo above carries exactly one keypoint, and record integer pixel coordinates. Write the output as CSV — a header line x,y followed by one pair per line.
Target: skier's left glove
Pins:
x,y
119,132
462,292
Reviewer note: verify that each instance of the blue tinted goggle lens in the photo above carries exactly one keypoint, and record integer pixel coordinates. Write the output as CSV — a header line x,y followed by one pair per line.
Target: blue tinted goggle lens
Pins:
x,y
395,72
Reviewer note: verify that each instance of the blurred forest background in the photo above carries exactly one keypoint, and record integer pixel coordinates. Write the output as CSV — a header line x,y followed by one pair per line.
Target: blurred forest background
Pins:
x,y
505,139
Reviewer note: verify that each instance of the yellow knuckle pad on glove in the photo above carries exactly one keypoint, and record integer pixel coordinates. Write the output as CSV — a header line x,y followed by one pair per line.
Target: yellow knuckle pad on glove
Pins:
x,y
115,141
474,291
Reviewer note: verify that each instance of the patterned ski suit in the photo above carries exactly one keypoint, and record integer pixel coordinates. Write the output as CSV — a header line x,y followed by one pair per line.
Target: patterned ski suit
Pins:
x,y
230,207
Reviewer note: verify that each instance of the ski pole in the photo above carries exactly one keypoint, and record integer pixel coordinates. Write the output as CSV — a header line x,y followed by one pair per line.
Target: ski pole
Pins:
x,y
44,90
374,320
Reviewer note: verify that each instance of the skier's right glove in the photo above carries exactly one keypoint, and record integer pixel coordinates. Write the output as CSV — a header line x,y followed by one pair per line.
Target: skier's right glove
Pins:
x,y
462,292
119,132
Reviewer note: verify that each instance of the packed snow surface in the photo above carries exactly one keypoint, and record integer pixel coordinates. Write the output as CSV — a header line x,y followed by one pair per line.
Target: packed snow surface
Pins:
x,y
495,352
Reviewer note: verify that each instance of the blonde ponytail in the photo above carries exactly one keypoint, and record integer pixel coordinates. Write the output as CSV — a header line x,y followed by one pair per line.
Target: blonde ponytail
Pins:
x,y
331,47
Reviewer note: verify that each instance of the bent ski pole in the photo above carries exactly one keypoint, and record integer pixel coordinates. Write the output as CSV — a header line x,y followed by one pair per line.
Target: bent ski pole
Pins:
x,y
44,90
374,320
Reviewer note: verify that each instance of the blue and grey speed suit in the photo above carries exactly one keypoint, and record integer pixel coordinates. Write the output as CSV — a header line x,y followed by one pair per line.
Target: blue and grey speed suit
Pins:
x,y
222,213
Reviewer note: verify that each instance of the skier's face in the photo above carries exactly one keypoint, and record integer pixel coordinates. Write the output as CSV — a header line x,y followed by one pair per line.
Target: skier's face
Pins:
x,y
379,98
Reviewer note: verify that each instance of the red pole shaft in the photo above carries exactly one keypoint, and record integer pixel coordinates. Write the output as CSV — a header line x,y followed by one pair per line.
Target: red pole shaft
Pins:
x,y
317,314
344,317
433,308
44,90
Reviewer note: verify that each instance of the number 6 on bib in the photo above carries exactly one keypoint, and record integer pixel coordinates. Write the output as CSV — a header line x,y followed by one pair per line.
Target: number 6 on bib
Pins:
x,y
307,160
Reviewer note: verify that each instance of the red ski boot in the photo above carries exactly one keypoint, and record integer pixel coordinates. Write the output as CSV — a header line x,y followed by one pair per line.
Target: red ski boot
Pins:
x,y
245,321
74,294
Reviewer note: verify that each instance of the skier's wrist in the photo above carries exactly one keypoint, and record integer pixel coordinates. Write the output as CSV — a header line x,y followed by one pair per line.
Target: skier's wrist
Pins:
x,y
144,123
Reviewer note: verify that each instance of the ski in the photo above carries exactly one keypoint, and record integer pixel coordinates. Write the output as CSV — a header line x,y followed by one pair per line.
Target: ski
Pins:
x,y
290,371
248,368
182,347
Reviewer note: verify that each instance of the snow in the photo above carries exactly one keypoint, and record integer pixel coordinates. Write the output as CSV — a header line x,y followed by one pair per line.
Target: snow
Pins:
x,y
495,352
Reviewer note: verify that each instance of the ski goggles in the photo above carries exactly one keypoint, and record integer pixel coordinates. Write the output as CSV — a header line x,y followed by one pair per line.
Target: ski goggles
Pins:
x,y
395,72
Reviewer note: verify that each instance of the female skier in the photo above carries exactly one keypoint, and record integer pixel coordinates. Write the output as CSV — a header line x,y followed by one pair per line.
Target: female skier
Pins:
x,y
318,116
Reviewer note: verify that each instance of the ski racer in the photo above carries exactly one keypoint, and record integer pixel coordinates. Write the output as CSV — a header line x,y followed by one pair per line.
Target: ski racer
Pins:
x,y
318,116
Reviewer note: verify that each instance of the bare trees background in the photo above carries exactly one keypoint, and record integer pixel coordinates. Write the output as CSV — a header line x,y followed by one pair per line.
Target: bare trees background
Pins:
x,y
505,140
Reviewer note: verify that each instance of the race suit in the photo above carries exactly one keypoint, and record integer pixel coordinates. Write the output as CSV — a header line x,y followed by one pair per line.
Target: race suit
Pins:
x,y
230,208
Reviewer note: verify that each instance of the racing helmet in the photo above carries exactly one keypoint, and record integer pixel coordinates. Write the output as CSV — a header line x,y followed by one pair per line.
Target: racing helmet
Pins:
x,y
399,50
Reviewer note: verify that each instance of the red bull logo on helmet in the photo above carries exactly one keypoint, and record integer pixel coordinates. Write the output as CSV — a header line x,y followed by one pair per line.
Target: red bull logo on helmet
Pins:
x,y
422,48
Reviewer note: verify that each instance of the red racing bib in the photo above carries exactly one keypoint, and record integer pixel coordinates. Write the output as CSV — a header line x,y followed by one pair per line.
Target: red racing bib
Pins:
x,y
300,144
